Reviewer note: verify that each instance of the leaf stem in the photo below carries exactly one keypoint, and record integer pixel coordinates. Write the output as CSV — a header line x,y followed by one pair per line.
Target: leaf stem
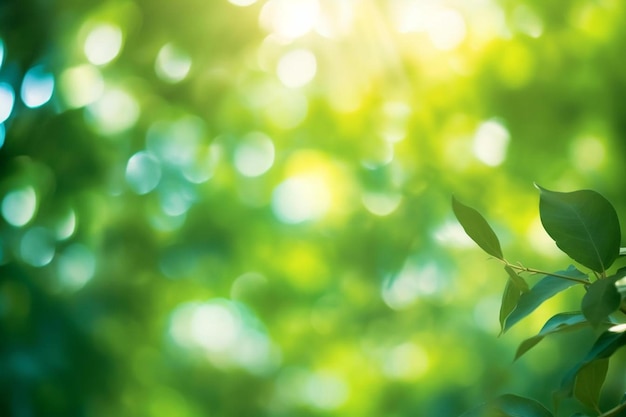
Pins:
x,y
614,411
537,271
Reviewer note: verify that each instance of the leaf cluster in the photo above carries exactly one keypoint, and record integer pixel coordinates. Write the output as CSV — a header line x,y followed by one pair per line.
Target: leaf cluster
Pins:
x,y
585,226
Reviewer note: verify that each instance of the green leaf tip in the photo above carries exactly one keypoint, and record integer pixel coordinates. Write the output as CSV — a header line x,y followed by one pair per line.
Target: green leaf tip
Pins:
x,y
477,228
589,381
583,224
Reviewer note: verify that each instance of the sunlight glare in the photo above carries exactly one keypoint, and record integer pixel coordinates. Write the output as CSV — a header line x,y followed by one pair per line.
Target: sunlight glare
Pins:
x,y
176,142
301,198
286,108
81,85
37,87
491,142
76,266
413,281
326,390
37,247
336,18
297,68
588,154
172,64
540,240
446,29
381,204
254,156
410,16
203,166
143,172
215,327
406,361
114,112
452,234
224,333
103,44
66,227
242,3
527,21
7,100
175,200
290,19
3,133
19,206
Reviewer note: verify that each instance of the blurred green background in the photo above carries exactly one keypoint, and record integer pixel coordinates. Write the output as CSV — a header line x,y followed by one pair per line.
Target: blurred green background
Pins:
x,y
242,208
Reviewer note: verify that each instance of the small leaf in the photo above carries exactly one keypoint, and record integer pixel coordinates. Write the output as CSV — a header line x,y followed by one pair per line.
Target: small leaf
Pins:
x,y
601,299
560,323
583,224
510,297
477,228
519,282
543,290
510,405
589,382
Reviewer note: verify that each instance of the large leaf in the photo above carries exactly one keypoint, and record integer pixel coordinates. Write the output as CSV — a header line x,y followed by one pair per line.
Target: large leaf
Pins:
x,y
583,224
589,382
560,323
477,228
546,288
601,299
510,405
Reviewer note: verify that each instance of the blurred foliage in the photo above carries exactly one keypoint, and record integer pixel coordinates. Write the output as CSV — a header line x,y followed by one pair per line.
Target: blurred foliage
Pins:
x,y
243,208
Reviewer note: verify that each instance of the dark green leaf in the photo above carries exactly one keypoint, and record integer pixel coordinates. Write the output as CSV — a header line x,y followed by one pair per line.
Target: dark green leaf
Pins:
x,y
546,288
477,228
589,382
583,224
604,347
510,297
560,323
510,405
601,299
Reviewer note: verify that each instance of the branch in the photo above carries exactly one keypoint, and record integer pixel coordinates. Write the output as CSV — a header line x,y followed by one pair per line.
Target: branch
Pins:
x,y
614,412
537,271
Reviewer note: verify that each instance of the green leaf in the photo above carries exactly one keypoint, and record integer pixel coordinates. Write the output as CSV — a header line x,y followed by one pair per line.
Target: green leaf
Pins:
x,y
560,323
601,299
589,382
583,224
605,346
477,228
510,297
510,405
519,282
543,290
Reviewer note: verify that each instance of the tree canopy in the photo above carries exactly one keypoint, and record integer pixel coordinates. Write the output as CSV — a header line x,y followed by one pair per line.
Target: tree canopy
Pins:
x,y
242,207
